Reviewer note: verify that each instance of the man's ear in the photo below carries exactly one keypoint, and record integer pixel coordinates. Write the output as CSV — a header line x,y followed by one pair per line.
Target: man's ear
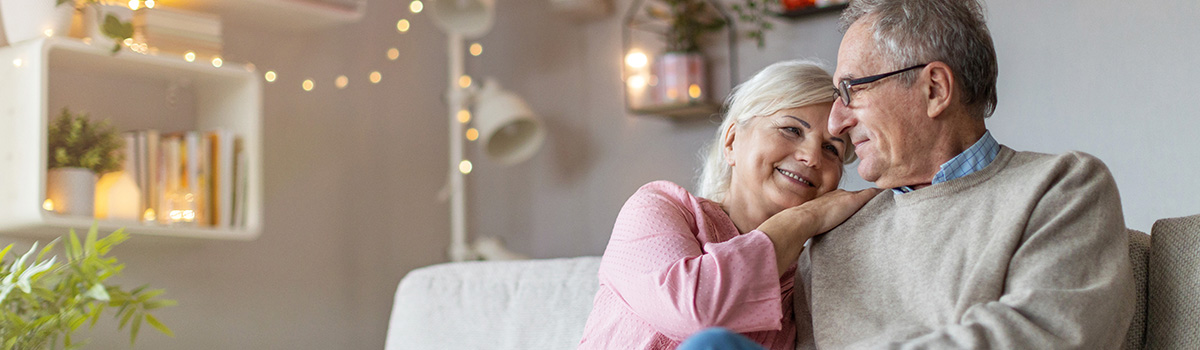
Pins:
x,y
728,142
939,88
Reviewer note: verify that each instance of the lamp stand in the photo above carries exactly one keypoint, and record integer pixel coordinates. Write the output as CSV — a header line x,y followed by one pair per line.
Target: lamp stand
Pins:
x,y
459,249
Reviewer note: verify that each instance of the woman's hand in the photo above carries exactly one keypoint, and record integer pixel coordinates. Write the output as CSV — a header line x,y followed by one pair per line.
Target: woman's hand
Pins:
x,y
790,228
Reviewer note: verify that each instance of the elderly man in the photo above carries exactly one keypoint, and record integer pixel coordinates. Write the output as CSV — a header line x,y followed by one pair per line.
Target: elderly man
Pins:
x,y
977,245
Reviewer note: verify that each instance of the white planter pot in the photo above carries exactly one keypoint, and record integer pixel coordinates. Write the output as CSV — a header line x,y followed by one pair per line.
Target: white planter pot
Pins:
x,y
31,19
71,190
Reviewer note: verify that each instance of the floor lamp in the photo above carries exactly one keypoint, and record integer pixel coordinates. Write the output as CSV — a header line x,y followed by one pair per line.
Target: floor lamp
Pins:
x,y
508,131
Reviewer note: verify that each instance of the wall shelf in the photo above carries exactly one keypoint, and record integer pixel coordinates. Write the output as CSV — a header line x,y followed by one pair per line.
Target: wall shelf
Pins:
x,y
279,15
135,91
642,85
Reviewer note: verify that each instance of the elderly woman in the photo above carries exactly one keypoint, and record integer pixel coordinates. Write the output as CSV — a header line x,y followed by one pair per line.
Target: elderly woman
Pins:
x,y
678,263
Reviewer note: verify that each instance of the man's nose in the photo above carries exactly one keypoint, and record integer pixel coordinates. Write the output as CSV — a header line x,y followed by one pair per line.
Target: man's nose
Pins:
x,y
839,119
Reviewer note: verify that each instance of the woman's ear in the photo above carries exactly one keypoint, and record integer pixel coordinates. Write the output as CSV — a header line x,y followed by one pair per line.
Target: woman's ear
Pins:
x,y
940,88
729,136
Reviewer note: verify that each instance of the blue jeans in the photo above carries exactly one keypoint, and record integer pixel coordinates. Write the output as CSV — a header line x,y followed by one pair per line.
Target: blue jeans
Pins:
x,y
718,339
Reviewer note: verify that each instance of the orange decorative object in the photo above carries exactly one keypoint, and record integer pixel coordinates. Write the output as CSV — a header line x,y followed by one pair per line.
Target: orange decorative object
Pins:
x,y
791,5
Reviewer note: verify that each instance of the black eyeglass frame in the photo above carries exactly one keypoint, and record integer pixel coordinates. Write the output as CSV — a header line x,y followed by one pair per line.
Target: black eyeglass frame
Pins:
x,y
842,91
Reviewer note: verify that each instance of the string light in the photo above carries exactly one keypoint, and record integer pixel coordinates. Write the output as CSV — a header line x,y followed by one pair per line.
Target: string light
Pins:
x,y
402,25
472,134
48,32
376,77
133,4
189,56
464,166
393,54
148,215
18,62
307,85
636,59
341,81
217,62
149,4
416,6
464,81
48,205
694,91
269,76
464,116
476,49
127,41
636,82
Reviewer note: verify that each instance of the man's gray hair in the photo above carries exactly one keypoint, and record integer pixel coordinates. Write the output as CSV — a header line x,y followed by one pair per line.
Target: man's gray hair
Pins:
x,y
912,32
780,86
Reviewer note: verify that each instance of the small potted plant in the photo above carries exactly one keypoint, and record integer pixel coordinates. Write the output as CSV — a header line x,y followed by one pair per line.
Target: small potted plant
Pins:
x,y
682,71
79,150
103,21
43,299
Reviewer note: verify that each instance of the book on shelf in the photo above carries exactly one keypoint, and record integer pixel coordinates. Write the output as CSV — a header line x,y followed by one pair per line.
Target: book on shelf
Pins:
x,y
187,177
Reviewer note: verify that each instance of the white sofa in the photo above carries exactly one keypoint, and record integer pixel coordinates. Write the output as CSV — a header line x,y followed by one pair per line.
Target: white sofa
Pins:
x,y
543,304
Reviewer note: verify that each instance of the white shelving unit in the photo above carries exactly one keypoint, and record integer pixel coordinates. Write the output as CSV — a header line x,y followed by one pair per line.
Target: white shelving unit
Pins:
x,y
279,15
135,91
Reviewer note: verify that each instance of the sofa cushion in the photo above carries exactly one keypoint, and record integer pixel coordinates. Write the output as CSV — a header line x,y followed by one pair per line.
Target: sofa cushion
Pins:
x,y
1139,256
529,304
1173,312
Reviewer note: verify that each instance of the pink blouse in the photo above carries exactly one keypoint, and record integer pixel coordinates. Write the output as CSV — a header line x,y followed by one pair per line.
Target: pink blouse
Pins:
x,y
675,265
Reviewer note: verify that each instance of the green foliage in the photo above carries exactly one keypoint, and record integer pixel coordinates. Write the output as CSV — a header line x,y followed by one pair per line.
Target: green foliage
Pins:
x,y
114,28
111,27
75,141
44,302
754,13
689,19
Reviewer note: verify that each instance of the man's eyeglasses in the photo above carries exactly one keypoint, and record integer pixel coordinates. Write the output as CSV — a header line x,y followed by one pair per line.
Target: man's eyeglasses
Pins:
x,y
842,91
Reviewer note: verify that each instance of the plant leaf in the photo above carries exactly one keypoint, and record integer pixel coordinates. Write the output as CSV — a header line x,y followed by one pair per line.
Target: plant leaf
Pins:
x,y
97,292
154,304
133,331
5,252
159,326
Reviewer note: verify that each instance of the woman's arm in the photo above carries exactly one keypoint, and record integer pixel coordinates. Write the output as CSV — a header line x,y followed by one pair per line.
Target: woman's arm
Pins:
x,y
789,229
657,266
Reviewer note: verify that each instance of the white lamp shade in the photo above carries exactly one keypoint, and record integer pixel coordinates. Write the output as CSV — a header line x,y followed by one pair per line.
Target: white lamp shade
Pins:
x,y
470,18
509,132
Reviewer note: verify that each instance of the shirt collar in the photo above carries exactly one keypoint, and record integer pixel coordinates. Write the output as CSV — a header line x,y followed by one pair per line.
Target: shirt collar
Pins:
x,y
975,158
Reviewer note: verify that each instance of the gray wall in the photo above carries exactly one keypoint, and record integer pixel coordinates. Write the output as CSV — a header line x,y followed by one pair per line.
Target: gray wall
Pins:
x,y
351,175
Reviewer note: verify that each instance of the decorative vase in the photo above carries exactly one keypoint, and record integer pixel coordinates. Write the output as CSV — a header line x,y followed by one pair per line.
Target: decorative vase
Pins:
x,y
681,78
71,190
31,19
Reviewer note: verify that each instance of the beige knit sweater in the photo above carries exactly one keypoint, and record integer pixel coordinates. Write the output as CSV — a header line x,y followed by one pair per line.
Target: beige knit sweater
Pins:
x,y
1027,253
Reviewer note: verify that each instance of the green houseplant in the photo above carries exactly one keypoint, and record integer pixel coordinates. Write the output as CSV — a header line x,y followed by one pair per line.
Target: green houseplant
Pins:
x,y
43,301
109,24
78,142
688,20
79,150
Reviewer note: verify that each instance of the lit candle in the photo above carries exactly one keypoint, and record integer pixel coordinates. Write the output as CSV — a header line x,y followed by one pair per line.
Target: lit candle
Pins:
x,y
117,197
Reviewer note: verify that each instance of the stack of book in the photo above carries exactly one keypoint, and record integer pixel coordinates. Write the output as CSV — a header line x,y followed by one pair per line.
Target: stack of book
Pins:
x,y
173,31
189,178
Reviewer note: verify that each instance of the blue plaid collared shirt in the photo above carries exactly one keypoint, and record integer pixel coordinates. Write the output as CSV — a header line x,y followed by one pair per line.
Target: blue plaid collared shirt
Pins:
x,y
975,158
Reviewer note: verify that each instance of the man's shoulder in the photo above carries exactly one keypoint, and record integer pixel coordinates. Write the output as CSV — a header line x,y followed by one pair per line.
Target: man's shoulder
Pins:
x,y
1026,163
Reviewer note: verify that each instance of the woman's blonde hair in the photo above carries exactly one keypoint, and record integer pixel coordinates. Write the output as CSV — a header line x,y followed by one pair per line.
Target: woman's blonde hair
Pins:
x,y
783,85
